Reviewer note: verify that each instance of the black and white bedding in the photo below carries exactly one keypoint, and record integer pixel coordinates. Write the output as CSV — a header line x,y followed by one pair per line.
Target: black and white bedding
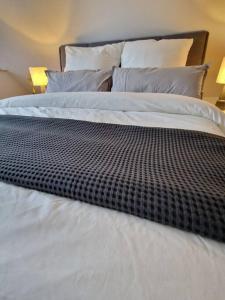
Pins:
x,y
73,250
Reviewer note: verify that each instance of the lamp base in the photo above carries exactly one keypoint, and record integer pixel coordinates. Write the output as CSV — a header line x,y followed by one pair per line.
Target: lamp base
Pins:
x,y
221,102
39,90
222,95
43,89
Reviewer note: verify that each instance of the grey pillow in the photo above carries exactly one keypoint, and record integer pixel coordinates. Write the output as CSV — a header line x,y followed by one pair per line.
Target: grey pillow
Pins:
x,y
79,81
186,81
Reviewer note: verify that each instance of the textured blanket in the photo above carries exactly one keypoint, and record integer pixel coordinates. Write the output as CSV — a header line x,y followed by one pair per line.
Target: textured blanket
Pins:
x,y
171,176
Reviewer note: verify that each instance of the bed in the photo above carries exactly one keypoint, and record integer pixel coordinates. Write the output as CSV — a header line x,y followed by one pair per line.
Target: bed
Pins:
x,y
53,247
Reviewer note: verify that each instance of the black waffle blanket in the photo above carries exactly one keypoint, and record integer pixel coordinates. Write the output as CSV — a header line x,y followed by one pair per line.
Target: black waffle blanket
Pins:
x,y
170,176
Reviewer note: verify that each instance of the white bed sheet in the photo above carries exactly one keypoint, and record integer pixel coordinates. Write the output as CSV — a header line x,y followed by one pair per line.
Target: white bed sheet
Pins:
x,y
55,248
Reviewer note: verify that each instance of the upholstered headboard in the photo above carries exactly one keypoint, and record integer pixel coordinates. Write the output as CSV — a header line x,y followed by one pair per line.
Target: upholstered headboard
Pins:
x,y
196,55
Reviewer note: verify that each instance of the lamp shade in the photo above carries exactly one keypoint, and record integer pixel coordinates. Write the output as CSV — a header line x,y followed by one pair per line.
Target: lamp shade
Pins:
x,y
221,75
38,76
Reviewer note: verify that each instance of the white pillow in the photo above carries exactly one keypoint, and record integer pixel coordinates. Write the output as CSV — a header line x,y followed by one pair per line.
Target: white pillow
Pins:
x,y
152,53
93,58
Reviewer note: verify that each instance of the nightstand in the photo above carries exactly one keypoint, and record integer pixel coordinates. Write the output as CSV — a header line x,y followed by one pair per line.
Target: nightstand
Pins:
x,y
216,101
221,104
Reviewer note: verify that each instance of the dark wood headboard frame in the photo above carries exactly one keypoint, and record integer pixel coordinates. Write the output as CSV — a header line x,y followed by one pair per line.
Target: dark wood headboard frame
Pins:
x,y
196,55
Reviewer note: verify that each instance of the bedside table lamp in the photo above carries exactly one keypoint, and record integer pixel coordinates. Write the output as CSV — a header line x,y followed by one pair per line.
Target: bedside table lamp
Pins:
x,y
39,78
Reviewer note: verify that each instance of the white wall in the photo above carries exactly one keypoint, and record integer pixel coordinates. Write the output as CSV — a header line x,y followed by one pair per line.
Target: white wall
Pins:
x,y
31,31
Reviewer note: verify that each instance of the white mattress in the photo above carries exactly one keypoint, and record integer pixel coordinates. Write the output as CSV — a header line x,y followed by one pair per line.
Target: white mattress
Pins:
x,y
55,248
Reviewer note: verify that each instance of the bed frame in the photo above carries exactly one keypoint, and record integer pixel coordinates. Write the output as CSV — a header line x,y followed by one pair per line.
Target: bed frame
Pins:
x,y
196,55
